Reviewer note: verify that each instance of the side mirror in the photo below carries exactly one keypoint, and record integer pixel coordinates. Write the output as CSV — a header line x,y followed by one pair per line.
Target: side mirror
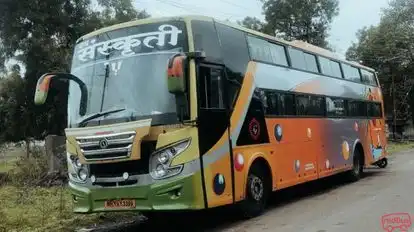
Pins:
x,y
42,89
177,69
43,85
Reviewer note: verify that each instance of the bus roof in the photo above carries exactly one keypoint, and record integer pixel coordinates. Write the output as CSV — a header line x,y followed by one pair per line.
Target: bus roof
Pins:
x,y
297,44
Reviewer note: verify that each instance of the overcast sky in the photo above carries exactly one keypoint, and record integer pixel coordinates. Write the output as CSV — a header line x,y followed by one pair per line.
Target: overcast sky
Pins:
x,y
354,14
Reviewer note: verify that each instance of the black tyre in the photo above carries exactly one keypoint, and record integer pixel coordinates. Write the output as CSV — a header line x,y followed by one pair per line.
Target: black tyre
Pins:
x,y
258,189
358,167
383,163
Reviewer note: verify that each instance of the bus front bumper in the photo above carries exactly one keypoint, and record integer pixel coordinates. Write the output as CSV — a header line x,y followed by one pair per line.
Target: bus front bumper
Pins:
x,y
177,193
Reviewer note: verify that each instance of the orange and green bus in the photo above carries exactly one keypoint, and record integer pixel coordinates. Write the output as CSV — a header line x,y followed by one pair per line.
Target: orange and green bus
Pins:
x,y
190,113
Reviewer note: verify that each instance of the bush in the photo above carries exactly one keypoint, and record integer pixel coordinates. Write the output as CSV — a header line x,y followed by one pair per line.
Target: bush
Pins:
x,y
33,171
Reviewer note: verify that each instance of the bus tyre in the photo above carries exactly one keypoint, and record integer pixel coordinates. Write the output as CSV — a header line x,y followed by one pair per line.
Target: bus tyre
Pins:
x,y
356,172
383,163
258,189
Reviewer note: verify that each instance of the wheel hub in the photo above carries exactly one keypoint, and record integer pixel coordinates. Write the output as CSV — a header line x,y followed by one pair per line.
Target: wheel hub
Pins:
x,y
256,188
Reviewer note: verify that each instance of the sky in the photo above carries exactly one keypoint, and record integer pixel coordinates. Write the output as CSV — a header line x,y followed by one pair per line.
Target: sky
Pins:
x,y
353,15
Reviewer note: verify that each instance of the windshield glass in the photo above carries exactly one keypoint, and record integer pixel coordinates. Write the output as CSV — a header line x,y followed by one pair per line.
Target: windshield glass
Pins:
x,y
127,69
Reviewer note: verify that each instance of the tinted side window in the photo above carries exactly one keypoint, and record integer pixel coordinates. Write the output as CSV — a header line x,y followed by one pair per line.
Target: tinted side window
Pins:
x,y
374,110
235,55
205,39
311,64
297,58
280,104
357,108
368,77
351,73
310,105
259,49
278,54
335,107
325,66
211,91
330,68
336,69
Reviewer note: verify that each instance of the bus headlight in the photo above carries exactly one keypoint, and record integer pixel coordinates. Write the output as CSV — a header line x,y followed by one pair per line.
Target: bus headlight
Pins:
x,y
160,162
83,174
77,171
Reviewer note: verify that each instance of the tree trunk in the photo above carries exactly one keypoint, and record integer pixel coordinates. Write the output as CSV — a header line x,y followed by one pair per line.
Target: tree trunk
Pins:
x,y
27,141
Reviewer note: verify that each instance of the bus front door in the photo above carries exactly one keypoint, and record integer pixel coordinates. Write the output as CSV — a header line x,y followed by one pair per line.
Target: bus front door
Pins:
x,y
213,124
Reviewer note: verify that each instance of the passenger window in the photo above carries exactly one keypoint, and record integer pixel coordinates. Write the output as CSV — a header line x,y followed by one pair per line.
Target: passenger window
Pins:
x,y
259,49
297,58
351,73
368,77
357,108
310,105
374,110
280,104
311,64
335,107
325,66
330,68
278,54
336,69
211,87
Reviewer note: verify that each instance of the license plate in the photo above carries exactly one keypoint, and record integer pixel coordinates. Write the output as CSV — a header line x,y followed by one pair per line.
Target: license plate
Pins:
x,y
120,204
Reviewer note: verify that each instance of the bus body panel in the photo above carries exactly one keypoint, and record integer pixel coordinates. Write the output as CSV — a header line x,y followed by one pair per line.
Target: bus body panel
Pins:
x,y
297,148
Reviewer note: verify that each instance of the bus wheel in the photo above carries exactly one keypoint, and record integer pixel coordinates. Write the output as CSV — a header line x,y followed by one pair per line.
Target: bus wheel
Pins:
x,y
258,189
383,163
355,173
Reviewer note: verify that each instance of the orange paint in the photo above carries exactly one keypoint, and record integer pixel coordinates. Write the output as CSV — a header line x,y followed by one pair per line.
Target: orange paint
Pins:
x,y
44,86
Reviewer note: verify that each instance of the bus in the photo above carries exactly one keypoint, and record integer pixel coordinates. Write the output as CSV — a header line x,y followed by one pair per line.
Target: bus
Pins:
x,y
189,113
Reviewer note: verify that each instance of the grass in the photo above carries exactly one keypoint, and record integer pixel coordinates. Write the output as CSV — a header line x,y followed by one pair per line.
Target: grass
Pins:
x,y
9,158
44,209
394,147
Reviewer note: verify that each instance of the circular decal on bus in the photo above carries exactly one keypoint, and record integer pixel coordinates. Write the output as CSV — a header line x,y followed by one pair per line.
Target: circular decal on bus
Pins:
x,y
254,129
278,132
239,162
219,184
297,165
345,150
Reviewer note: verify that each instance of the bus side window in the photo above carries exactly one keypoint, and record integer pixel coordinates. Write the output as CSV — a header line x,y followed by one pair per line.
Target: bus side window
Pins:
x,y
211,88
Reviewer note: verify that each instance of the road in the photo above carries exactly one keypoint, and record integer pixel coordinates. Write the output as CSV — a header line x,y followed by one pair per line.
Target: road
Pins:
x,y
321,206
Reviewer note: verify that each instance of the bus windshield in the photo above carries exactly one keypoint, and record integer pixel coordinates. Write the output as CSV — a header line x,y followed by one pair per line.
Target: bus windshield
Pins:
x,y
126,68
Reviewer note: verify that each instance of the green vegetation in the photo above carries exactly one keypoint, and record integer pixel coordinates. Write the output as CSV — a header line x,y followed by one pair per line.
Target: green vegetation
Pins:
x,y
394,147
296,20
45,209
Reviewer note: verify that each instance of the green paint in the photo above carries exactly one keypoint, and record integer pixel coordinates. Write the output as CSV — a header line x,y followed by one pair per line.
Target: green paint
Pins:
x,y
40,97
160,196
176,84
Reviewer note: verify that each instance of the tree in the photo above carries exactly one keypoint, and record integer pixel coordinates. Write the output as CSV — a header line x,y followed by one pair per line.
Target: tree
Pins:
x,y
306,20
41,34
253,23
389,48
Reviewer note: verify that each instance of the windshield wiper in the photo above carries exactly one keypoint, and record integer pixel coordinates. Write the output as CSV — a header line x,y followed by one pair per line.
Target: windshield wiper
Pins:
x,y
99,114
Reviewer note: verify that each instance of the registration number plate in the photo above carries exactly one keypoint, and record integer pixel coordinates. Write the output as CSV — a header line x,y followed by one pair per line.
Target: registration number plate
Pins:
x,y
120,204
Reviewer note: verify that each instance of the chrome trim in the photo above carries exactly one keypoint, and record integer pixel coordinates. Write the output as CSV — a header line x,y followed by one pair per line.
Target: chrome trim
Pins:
x,y
110,142
108,151
115,179
92,145
106,136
